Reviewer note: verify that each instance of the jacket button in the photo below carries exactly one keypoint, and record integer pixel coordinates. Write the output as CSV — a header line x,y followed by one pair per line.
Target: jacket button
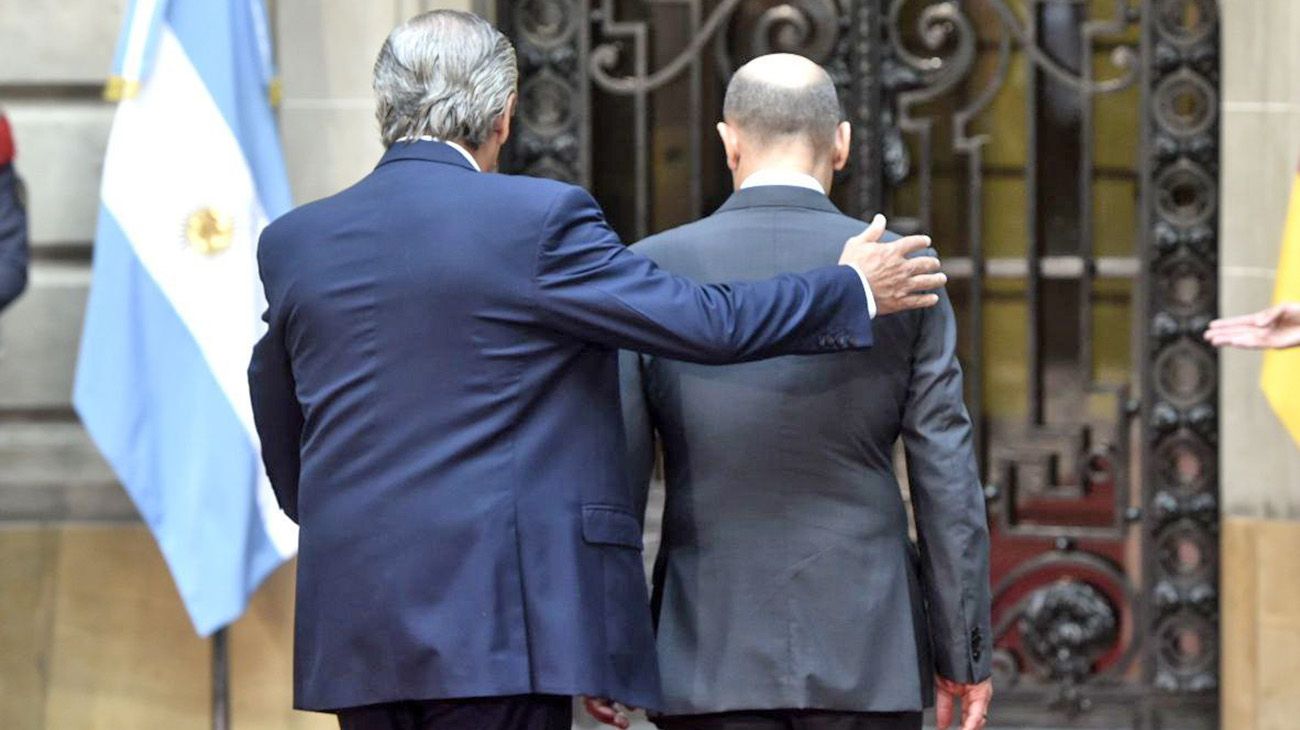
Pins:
x,y
843,342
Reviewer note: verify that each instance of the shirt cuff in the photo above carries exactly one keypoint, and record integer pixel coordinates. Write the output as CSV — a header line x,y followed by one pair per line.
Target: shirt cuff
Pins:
x,y
866,288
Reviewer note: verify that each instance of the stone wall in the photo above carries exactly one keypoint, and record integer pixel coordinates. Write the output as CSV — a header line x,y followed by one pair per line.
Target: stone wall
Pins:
x,y
1260,463
1261,148
56,57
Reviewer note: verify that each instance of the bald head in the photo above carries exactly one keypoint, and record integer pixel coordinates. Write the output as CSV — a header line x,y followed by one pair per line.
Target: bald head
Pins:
x,y
782,98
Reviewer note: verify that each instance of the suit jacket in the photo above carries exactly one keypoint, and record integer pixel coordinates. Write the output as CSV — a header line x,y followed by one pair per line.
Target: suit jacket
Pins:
x,y
437,399
786,577
13,237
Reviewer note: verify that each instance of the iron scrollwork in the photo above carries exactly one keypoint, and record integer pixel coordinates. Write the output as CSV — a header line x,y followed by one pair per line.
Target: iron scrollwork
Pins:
x,y
1066,627
619,63
550,138
1057,616
809,27
948,40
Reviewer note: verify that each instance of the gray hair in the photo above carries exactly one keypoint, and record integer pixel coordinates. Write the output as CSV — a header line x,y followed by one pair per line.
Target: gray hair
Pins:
x,y
779,97
446,74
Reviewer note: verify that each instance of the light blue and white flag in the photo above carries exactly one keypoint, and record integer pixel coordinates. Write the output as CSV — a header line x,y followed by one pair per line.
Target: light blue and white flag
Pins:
x,y
192,175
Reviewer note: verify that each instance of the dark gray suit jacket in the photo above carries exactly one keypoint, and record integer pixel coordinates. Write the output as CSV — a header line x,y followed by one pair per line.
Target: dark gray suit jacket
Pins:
x,y
786,577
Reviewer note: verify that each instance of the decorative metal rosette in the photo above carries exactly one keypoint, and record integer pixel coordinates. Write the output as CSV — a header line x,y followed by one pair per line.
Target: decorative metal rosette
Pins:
x,y
549,137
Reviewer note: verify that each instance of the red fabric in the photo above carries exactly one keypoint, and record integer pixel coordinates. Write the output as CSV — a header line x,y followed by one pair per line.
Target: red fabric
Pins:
x,y
7,151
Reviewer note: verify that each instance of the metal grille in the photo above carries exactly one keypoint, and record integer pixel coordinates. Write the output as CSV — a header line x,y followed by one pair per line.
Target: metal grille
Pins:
x,y
1064,155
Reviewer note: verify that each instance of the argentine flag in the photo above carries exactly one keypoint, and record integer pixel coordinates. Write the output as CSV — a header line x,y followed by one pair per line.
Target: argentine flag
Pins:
x,y
192,175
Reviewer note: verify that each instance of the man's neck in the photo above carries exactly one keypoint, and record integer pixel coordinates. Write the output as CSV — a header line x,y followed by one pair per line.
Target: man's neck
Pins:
x,y
796,164
469,156
780,175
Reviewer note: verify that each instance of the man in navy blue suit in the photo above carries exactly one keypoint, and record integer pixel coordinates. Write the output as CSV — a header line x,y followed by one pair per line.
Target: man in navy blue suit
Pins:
x,y
13,223
438,402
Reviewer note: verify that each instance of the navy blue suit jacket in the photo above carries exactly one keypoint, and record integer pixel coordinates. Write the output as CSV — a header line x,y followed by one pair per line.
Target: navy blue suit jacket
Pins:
x,y
438,402
13,237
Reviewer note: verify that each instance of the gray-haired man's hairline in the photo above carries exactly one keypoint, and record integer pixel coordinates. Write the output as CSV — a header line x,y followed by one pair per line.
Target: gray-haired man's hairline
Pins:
x,y
446,74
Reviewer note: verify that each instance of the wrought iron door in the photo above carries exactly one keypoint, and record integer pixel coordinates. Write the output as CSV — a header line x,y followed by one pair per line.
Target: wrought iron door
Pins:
x,y
1064,155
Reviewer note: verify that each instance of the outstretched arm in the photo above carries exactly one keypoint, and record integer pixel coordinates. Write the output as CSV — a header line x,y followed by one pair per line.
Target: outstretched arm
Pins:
x,y
589,285
1274,328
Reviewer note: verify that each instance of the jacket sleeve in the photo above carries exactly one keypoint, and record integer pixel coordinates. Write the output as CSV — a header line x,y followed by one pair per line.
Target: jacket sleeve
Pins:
x,y
276,410
13,238
948,503
638,426
587,284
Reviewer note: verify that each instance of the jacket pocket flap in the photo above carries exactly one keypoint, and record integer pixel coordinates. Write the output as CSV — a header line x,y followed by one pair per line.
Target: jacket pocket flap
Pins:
x,y
603,525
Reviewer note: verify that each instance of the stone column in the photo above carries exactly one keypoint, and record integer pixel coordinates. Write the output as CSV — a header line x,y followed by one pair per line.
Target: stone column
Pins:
x,y
1261,148
326,50
1260,462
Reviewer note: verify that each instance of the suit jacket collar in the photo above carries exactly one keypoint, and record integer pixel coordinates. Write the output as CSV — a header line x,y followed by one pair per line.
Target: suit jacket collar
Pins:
x,y
786,196
427,151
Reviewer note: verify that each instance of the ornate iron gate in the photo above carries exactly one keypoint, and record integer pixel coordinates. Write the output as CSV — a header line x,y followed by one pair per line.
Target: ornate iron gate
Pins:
x,y
1064,154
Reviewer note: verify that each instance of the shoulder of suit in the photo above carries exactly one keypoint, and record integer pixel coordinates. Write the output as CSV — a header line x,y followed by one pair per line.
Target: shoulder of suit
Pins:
x,y
835,228
298,215
547,199
298,222
683,235
856,226
541,187
677,246
828,221
275,233
849,224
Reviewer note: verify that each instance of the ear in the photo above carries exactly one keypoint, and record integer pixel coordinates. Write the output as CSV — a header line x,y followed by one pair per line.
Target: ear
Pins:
x,y
843,137
502,124
731,144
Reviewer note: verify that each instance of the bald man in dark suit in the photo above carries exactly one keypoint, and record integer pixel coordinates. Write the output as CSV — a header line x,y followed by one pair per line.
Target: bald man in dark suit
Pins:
x,y
787,593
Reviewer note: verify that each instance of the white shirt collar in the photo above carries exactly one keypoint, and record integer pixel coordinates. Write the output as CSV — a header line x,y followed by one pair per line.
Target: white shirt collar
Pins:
x,y
463,152
775,176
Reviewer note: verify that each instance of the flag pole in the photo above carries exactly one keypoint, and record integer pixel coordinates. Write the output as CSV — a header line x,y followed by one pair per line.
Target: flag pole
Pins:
x,y
220,681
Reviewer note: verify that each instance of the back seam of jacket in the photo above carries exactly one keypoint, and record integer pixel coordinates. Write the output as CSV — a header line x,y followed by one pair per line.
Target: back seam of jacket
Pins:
x,y
516,477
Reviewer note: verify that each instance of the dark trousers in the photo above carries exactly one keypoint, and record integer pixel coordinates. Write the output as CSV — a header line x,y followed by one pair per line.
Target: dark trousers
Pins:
x,y
520,712
793,720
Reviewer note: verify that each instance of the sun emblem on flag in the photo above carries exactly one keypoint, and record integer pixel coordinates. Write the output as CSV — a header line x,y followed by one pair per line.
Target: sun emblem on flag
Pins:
x,y
209,231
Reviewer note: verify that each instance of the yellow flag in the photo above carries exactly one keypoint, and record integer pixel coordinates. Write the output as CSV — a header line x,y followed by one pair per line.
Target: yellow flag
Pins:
x,y
1281,375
